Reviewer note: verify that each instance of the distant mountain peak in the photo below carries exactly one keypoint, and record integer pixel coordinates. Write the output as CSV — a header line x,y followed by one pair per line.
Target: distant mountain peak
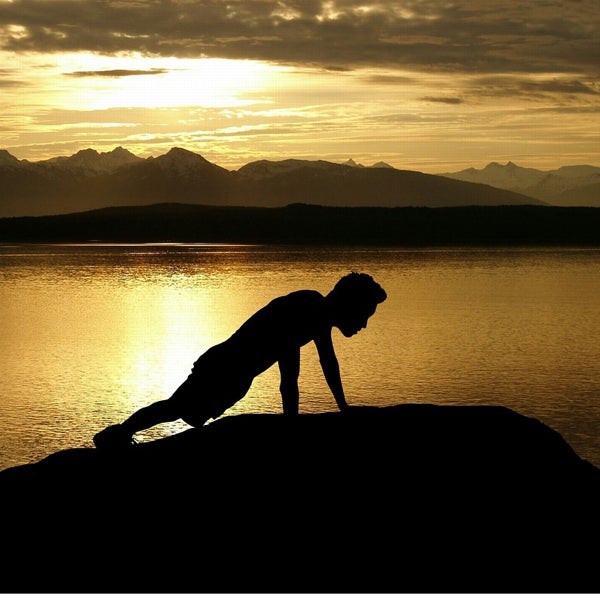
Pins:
x,y
351,163
6,158
185,162
378,165
87,152
120,151
570,185
273,168
89,179
183,156
178,151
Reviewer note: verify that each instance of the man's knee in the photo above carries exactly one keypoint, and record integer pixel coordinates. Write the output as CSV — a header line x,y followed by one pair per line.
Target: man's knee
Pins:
x,y
195,420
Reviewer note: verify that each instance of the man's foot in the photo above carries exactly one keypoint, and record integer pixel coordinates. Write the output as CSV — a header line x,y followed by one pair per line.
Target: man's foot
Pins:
x,y
114,437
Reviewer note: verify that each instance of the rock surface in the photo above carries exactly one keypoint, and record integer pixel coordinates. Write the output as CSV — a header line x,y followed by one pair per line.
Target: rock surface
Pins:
x,y
400,499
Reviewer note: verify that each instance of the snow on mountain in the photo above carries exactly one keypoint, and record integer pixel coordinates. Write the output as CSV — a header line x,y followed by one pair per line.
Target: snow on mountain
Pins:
x,y
92,161
378,165
91,179
260,169
564,186
508,176
183,162
351,163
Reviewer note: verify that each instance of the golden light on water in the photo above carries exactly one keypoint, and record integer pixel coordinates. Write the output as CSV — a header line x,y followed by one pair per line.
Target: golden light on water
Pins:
x,y
165,329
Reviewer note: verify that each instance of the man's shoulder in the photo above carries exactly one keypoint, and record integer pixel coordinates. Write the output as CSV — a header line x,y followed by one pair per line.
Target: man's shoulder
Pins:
x,y
305,296
307,293
300,300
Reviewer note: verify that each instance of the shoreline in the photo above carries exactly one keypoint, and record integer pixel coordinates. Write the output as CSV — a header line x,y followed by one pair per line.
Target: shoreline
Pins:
x,y
305,224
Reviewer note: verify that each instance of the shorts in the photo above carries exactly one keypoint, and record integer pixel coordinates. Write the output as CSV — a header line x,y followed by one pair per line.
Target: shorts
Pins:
x,y
215,384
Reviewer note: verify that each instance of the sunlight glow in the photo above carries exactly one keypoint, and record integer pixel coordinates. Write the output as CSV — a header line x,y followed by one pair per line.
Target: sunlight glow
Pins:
x,y
164,354
98,83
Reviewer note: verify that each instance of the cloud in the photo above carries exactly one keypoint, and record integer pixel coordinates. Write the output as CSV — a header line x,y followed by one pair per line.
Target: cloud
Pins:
x,y
11,83
391,79
555,85
501,86
7,79
442,99
475,36
116,73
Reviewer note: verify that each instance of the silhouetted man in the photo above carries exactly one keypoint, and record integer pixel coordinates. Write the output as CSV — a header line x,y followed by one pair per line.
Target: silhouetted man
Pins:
x,y
223,374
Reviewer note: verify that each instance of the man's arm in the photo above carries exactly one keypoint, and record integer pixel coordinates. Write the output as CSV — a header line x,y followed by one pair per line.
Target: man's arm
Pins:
x,y
331,368
289,368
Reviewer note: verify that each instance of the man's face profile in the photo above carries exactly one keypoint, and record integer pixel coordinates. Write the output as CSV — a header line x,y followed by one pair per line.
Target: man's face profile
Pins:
x,y
355,319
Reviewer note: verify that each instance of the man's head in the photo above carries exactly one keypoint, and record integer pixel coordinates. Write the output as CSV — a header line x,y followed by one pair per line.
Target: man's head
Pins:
x,y
354,299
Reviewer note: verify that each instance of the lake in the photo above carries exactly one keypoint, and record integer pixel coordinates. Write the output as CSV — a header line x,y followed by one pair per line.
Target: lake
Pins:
x,y
92,332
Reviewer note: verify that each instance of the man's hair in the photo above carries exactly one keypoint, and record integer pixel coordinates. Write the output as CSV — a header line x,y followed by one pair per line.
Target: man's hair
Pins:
x,y
360,288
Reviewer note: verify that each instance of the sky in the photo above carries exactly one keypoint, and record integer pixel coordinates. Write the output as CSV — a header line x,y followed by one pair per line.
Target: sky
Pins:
x,y
428,85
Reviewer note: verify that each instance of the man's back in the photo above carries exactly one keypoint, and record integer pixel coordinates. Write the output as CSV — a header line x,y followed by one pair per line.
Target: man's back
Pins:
x,y
289,321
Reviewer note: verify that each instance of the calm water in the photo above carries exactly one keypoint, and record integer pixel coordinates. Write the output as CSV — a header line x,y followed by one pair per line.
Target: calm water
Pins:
x,y
91,333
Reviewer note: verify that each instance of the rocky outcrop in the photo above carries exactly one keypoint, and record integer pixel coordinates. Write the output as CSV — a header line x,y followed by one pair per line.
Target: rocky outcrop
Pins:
x,y
406,498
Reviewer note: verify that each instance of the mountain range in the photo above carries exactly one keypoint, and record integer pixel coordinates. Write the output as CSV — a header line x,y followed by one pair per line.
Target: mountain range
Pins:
x,y
577,185
90,180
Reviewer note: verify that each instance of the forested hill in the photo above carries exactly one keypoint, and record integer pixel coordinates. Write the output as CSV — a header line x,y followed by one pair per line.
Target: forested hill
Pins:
x,y
315,224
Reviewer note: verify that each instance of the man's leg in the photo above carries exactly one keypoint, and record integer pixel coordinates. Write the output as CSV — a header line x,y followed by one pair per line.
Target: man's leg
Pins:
x,y
121,435
148,416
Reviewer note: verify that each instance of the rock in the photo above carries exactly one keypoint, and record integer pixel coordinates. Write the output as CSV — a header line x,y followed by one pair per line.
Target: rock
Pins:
x,y
399,499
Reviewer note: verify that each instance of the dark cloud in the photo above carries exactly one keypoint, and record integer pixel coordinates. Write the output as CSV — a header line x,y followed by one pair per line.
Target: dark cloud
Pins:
x,y
336,68
116,73
442,99
7,79
476,36
520,86
555,85
391,79
10,83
